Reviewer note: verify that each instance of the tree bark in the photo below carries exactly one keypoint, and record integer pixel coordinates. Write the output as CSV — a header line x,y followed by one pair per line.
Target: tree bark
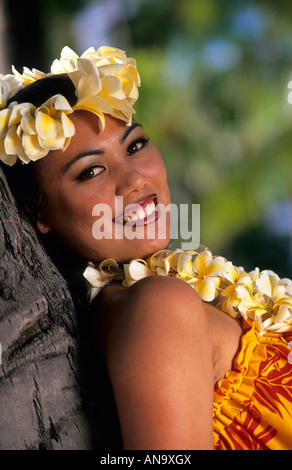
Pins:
x,y
40,405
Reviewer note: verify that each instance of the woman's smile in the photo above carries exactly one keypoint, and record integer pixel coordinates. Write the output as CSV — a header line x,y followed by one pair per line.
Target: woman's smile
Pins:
x,y
139,213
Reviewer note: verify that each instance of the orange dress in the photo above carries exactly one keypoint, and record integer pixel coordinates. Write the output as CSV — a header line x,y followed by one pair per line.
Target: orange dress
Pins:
x,y
252,408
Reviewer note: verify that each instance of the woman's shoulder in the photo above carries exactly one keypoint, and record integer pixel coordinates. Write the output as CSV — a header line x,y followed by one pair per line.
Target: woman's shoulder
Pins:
x,y
153,296
157,299
163,286
149,305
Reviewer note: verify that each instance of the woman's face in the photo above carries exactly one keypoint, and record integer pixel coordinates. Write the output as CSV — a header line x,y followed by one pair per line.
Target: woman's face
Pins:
x,y
99,176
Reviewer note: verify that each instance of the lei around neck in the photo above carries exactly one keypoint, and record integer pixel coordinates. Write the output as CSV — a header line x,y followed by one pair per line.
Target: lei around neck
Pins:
x,y
106,82
257,295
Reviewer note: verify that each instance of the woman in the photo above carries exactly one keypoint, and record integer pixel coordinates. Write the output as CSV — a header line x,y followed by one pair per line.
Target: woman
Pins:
x,y
167,340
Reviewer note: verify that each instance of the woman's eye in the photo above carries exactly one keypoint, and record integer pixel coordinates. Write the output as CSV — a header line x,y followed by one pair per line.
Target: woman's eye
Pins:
x,y
90,173
137,145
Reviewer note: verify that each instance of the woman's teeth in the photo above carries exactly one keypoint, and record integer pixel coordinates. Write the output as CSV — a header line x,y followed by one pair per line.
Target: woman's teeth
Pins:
x,y
140,213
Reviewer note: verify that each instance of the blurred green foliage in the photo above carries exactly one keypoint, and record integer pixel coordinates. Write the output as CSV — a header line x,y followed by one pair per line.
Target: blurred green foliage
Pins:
x,y
214,100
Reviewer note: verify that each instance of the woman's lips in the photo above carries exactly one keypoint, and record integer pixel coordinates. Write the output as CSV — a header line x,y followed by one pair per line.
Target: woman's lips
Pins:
x,y
140,213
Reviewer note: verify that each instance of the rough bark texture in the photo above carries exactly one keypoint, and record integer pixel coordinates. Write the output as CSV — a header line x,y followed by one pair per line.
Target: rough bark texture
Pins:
x,y
40,405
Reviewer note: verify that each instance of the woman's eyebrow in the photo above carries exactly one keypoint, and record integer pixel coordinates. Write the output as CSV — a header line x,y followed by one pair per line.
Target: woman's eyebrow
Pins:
x,y
129,130
86,153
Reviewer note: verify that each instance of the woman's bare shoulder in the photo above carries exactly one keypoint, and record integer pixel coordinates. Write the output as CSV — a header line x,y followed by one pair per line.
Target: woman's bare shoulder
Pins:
x,y
151,298
158,299
149,289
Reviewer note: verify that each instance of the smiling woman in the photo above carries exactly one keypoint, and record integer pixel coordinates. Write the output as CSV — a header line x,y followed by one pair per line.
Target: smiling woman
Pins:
x,y
95,186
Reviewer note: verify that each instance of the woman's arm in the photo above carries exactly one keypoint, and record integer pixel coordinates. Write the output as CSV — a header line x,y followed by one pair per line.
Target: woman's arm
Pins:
x,y
160,363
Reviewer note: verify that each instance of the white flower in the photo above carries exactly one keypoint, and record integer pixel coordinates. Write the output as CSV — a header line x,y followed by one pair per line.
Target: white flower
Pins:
x,y
9,85
98,277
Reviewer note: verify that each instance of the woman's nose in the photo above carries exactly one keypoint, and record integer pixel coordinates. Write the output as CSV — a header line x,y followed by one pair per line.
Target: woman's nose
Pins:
x,y
129,179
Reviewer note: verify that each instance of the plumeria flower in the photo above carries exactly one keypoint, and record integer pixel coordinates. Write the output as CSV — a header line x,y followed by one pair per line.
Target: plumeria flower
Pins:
x,y
53,127
134,271
209,272
101,95
113,93
67,62
107,61
181,262
128,76
31,133
105,55
9,85
107,271
19,118
159,262
272,287
111,55
28,76
268,305
233,277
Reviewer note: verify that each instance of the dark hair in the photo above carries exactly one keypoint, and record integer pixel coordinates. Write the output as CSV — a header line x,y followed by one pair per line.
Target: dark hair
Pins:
x,y
41,90
24,179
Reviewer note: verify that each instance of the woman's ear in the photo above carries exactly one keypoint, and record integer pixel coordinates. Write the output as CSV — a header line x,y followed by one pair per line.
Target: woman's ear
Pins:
x,y
43,226
37,215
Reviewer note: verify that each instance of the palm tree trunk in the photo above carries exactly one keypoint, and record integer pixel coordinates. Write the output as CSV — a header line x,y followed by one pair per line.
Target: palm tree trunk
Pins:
x,y
40,405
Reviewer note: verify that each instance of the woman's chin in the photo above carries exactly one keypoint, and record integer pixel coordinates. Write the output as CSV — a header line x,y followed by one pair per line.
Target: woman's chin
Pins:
x,y
144,252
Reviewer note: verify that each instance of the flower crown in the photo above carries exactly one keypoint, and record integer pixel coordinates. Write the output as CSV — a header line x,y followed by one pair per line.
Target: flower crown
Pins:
x,y
106,82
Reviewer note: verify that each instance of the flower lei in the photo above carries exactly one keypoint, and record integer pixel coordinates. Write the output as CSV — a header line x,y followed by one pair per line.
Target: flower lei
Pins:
x,y
258,295
106,82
